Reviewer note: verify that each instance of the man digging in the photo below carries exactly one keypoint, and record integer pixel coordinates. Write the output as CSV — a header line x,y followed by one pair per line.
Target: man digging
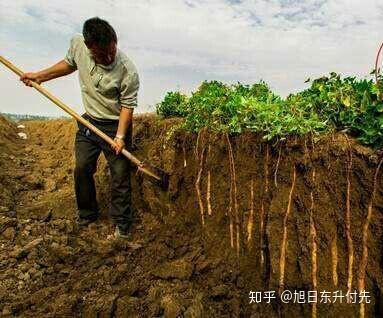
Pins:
x,y
109,85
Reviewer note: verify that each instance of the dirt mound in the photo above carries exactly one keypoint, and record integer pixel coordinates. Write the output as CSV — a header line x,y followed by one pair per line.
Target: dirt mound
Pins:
x,y
240,215
9,145
8,134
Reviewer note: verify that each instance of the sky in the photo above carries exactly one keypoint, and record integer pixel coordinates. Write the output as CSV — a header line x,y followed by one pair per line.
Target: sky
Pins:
x,y
177,44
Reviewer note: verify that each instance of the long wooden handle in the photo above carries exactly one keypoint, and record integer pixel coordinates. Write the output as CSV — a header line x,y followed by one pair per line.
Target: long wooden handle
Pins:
x,y
67,109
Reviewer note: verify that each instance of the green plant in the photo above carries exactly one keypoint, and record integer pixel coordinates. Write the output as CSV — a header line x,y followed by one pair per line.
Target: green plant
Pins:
x,y
349,104
173,105
330,102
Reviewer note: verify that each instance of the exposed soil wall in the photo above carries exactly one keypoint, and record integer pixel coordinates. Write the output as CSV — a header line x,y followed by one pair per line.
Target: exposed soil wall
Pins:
x,y
8,146
240,215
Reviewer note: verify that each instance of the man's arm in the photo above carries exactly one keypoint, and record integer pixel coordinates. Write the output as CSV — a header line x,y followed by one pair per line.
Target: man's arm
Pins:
x,y
59,69
125,124
128,101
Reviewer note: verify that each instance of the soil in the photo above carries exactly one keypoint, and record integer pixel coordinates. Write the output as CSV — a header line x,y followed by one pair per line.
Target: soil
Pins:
x,y
252,218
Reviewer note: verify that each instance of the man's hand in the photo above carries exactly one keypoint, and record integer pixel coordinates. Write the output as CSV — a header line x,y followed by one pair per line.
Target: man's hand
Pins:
x,y
59,69
124,129
28,78
119,145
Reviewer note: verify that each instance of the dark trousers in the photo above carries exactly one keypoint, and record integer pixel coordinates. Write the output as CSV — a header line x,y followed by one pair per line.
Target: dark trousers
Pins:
x,y
88,147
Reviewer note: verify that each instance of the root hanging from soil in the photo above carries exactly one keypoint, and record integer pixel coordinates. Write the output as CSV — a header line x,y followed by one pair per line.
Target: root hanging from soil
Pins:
x,y
282,262
231,227
208,188
334,258
267,169
364,260
184,154
208,193
314,247
262,212
277,166
350,245
231,200
196,150
250,223
234,200
200,158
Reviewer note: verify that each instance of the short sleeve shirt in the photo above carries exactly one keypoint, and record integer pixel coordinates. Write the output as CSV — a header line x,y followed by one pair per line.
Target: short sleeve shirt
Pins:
x,y
104,89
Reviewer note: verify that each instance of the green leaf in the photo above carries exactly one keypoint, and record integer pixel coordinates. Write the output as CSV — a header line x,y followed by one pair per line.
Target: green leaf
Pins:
x,y
379,108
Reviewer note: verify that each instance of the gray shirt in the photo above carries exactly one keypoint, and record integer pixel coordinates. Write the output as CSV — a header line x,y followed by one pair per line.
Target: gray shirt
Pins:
x,y
104,89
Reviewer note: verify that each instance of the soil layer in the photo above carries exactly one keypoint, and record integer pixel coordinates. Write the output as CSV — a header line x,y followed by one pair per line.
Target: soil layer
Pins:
x,y
240,215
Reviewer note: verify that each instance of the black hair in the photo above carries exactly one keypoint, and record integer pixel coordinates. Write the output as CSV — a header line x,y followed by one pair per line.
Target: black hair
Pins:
x,y
98,32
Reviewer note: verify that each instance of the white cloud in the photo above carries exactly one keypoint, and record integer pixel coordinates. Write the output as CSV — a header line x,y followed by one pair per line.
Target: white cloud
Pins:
x,y
177,44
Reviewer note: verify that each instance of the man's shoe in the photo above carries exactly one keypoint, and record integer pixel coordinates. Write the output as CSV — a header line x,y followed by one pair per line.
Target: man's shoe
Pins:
x,y
85,222
121,232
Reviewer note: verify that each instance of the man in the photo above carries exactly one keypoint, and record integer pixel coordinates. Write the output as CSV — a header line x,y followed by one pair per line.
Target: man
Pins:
x,y
109,85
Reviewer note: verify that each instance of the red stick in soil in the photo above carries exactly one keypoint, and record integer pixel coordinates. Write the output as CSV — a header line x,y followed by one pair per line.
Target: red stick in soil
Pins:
x,y
363,265
377,64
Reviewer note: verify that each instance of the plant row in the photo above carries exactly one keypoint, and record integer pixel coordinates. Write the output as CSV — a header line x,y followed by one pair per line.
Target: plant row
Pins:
x,y
329,103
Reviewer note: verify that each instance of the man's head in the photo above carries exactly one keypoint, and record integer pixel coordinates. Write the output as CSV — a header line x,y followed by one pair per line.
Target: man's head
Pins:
x,y
101,40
